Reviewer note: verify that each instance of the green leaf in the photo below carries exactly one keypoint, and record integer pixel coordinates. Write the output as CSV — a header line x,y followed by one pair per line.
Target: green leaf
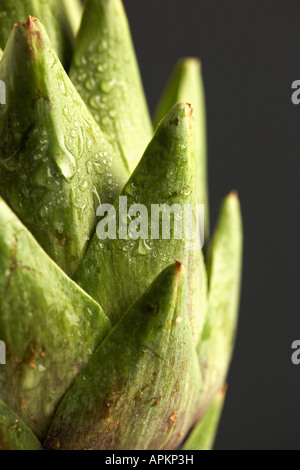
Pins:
x,y
49,325
73,10
141,388
51,13
186,84
224,271
1,54
55,163
204,433
105,72
117,271
14,434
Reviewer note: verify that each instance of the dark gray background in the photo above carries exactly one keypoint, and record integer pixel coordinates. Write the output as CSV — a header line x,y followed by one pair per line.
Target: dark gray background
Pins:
x,y
250,52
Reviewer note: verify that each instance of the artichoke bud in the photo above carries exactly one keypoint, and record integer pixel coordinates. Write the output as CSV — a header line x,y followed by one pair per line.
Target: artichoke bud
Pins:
x,y
117,333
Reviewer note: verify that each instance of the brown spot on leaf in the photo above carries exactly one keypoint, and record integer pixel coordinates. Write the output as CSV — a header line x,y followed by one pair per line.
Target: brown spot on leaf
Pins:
x,y
23,404
60,237
173,417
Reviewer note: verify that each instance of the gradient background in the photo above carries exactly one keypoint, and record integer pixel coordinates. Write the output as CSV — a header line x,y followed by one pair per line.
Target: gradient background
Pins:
x,y
250,52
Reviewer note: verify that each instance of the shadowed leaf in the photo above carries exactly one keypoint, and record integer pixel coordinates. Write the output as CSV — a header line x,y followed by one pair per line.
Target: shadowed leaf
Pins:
x,y
74,12
105,72
49,325
204,433
14,434
51,13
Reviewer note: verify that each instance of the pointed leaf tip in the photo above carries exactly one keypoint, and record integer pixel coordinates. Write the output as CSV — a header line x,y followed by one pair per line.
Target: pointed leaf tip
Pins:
x,y
179,266
141,389
32,35
186,85
106,74
234,194
30,22
224,265
163,181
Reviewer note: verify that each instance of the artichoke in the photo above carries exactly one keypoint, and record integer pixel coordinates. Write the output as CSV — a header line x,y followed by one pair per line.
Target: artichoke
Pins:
x,y
112,343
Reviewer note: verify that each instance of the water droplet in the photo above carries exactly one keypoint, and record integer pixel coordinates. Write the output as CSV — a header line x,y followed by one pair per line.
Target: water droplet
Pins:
x,y
105,121
102,46
185,192
43,211
89,144
82,76
130,189
112,113
106,86
96,196
89,167
95,101
84,186
90,84
62,86
98,168
143,248
67,114
67,164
